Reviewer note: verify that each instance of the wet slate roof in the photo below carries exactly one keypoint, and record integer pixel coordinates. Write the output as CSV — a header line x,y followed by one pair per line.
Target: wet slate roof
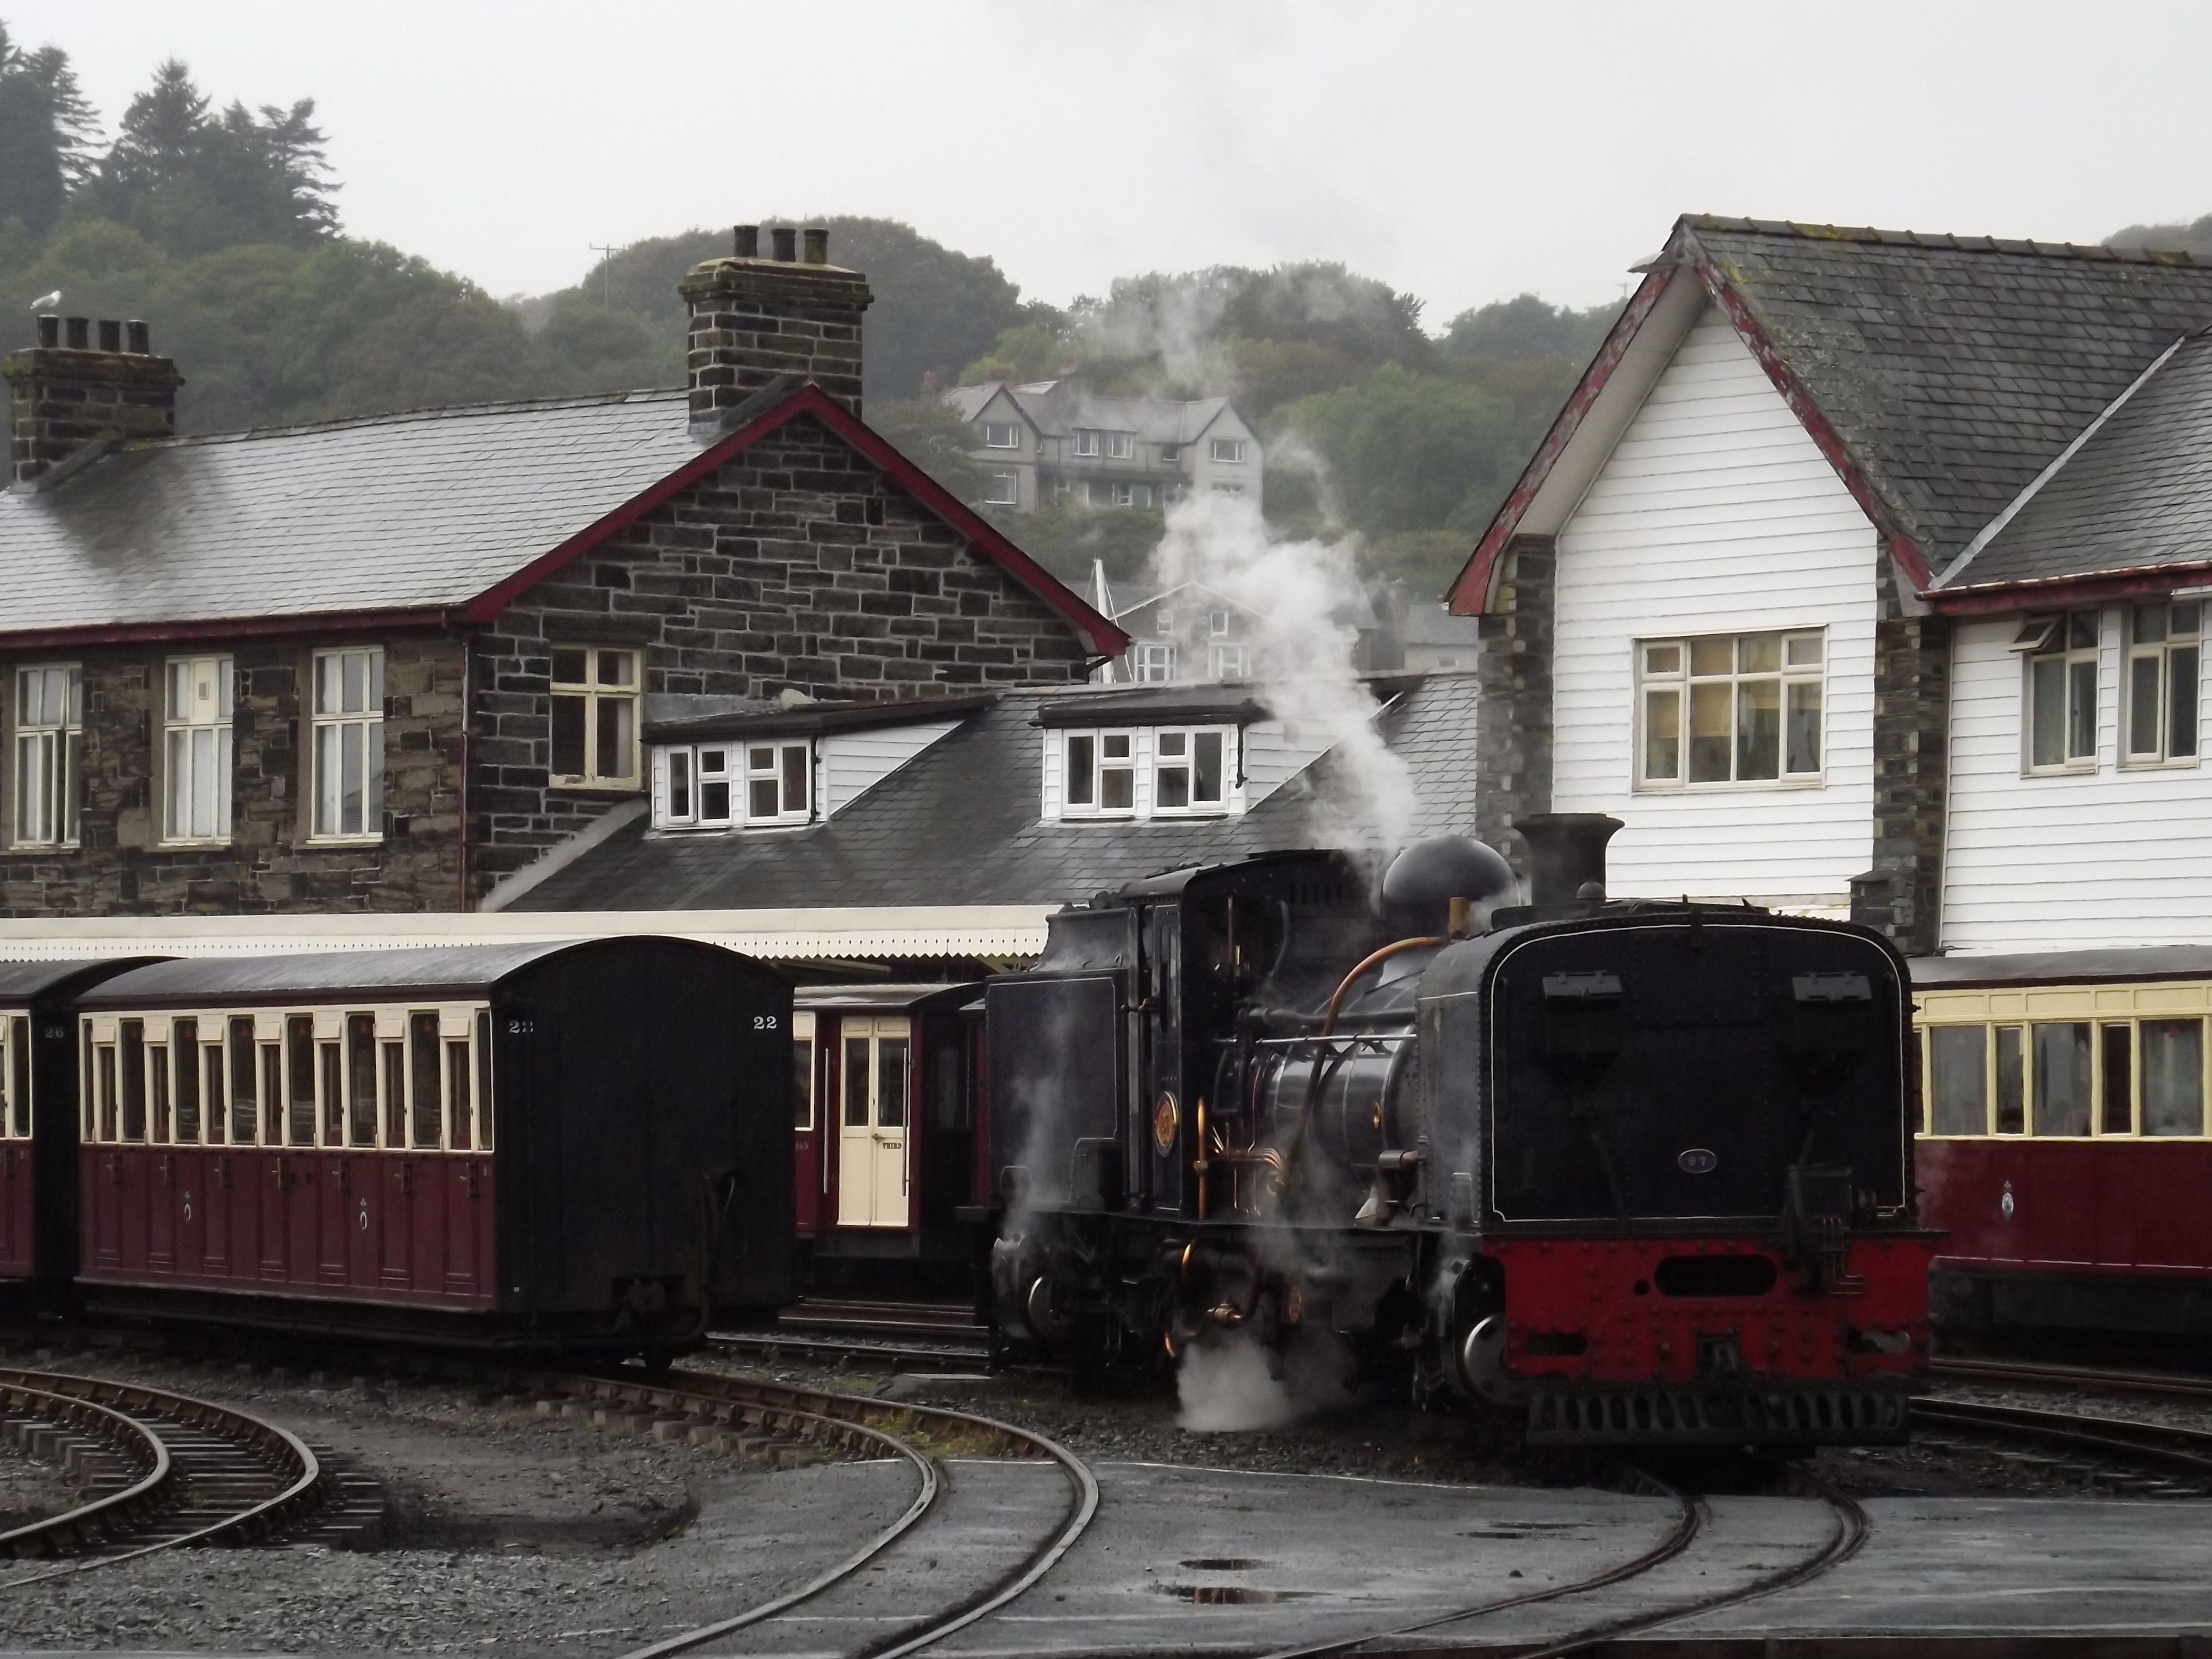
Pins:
x,y
440,968
399,512
1954,369
2137,493
1057,408
2143,961
961,824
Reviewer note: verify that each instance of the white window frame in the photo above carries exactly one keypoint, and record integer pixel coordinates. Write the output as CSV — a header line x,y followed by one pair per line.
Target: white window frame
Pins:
x,y
1010,429
199,705
1120,445
1085,756
1152,662
1176,748
594,691
1225,451
1004,490
351,678
1227,488
2054,649
794,801
1125,495
2164,644
1170,454
48,751
1086,442
1216,623
1669,672
1230,661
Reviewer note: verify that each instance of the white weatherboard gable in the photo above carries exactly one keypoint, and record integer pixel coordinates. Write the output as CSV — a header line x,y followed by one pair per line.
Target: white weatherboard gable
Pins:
x,y
847,764
2084,860
1716,513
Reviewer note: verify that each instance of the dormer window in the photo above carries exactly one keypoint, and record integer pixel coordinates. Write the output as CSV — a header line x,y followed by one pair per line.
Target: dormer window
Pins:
x,y
727,786
775,783
1143,772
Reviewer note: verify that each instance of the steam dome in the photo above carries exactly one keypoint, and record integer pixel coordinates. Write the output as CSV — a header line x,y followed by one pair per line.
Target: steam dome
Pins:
x,y
1422,881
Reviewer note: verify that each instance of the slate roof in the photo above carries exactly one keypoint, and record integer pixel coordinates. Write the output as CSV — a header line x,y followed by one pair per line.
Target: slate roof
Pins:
x,y
396,511
1952,368
2135,494
961,824
1056,408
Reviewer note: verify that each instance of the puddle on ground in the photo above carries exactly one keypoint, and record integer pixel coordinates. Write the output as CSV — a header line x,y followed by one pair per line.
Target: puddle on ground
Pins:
x,y
1206,1596
1223,1563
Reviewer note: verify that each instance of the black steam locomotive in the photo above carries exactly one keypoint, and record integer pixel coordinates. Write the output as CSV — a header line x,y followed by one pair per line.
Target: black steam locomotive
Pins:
x,y
1640,1171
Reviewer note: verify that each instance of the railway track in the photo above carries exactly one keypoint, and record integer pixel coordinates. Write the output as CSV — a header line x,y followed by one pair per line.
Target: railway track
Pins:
x,y
161,1470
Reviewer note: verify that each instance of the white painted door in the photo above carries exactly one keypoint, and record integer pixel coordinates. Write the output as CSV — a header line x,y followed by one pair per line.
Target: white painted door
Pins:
x,y
872,1133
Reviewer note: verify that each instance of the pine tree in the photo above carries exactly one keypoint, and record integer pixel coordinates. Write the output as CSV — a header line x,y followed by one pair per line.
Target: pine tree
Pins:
x,y
47,134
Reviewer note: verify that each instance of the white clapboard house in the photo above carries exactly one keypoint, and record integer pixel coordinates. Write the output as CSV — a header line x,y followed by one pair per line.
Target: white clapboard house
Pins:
x,y
1861,575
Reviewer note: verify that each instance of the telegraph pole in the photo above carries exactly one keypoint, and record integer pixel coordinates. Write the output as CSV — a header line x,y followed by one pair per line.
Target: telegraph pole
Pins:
x,y
606,273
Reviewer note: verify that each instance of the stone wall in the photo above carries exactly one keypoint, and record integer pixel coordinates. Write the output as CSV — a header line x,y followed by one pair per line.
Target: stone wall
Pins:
x,y
1901,894
1513,663
797,567
60,400
120,867
754,321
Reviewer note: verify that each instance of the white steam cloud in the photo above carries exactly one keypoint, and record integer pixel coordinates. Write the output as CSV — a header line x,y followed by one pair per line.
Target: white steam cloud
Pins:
x,y
1224,1384
1303,595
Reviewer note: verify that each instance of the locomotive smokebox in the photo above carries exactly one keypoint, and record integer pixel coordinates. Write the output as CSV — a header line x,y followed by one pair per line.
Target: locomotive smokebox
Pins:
x,y
1566,855
1421,882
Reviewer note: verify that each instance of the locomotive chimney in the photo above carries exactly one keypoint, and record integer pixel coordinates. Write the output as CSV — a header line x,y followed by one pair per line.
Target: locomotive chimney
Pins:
x,y
1566,855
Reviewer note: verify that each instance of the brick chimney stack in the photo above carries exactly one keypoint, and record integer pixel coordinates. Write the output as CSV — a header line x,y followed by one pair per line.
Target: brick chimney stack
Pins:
x,y
65,398
755,319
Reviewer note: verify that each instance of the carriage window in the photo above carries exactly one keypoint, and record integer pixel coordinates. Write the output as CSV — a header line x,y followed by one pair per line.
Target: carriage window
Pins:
x,y
430,1107
186,1034
483,1079
856,1082
2012,1082
104,1086
244,1101
212,1064
395,1094
891,1081
273,1094
132,1065
2117,1094
1958,1080
2061,1078
802,1083
300,1071
333,1075
17,1080
2173,1077
456,1092
157,1075
361,1080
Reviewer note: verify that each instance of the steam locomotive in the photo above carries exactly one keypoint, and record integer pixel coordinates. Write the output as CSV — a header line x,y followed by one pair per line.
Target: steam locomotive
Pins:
x,y
1639,1172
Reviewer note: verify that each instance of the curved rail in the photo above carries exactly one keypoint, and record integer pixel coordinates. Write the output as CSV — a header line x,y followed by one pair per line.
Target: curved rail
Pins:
x,y
287,1453
847,1418
2037,1374
130,1439
2162,1446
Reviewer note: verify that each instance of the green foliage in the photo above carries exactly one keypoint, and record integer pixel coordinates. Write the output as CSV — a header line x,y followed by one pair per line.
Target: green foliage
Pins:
x,y
1033,351
1406,452
1511,330
1065,538
928,433
2195,237
46,129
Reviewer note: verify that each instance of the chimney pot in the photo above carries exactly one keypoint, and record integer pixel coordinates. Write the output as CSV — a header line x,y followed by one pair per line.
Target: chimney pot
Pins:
x,y
80,333
50,329
748,242
141,339
786,240
66,404
111,334
816,241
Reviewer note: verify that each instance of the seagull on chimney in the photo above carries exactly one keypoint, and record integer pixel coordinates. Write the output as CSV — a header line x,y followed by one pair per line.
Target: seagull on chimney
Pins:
x,y
47,302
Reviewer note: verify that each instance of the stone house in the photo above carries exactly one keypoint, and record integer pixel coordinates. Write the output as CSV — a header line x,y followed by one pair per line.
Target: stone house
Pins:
x,y
1057,441
1775,591
381,664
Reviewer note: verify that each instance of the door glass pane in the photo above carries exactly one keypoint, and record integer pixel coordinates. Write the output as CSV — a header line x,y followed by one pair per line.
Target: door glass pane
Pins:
x,y
1801,736
186,1036
299,1075
333,1059
459,1092
2012,1091
2061,1077
157,1075
2047,698
361,1080
244,1098
272,1093
2143,706
134,1080
1709,733
2173,1077
2117,1113
213,1073
107,1091
1662,734
484,1080
1758,729
891,1081
856,1082
18,1077
1958,1082
429,1116
802,1084
395,1094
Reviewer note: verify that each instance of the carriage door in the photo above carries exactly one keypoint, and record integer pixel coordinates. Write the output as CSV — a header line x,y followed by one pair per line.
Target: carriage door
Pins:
x,y
872,1138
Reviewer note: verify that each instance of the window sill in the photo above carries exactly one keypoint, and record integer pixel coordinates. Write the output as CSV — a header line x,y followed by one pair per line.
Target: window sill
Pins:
x,y
2186,764
313,842
41,848
211,844
580,787
2075,769
1734,787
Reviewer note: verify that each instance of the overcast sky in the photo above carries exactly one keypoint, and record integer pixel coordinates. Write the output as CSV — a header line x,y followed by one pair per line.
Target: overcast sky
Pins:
x,y
1467,152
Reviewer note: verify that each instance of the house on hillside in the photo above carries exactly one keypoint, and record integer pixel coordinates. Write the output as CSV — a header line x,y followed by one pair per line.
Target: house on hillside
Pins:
x,y
382,665
1193,632
1860,575
1056,440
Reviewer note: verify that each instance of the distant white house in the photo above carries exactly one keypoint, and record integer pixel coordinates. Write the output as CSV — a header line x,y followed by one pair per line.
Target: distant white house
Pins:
x,y
1054,440
1177,634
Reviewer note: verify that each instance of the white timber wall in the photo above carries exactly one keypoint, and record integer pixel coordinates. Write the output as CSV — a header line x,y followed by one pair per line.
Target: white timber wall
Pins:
x,y
850,763
1716,514
2081,860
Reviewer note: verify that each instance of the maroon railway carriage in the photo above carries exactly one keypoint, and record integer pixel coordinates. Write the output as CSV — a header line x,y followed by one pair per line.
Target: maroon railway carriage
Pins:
x,y
2064,1139
885,1142
533,1146
38,1123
